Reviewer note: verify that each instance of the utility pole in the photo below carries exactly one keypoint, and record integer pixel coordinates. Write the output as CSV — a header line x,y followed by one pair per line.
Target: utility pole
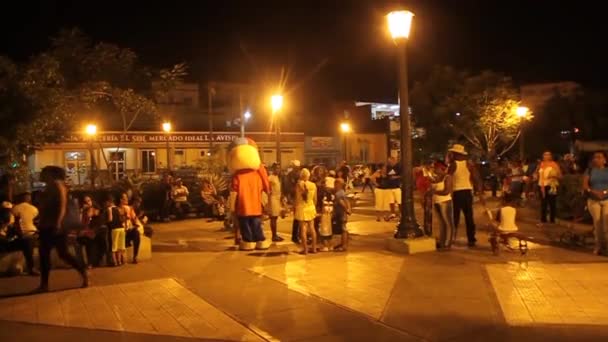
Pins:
x,y
210,114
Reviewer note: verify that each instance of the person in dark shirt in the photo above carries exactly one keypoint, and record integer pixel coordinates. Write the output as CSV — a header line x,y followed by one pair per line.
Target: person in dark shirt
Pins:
x,y
344,171
53,210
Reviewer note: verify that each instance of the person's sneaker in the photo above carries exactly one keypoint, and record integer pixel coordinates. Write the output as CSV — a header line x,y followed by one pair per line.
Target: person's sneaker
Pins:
x,y
325,249
277,239
135,261
472,244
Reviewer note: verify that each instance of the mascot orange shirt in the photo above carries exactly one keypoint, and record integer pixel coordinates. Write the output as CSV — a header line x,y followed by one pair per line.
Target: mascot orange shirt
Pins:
x,y
249,180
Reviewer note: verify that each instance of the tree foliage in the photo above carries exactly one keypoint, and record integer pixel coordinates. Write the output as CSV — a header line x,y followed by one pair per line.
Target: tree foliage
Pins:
x,y
479,108
73,82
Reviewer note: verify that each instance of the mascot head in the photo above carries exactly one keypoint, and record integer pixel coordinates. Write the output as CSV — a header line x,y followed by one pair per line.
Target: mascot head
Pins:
x,y
243,155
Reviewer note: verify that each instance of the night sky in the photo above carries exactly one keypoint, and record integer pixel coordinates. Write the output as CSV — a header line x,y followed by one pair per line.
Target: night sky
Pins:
x,y
331,49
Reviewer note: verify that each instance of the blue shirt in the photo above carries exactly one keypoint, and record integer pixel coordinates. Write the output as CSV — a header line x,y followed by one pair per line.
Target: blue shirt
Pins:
x,y
598,178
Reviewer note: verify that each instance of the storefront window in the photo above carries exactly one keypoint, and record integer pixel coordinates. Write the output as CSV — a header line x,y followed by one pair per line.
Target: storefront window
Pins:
x,y
75,167
148,161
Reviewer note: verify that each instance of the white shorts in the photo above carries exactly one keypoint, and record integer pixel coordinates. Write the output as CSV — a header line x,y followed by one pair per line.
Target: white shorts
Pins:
x,y
395,195
382,199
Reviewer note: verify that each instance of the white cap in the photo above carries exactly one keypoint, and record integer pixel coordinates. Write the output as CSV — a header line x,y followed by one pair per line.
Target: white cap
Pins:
x,y
295,163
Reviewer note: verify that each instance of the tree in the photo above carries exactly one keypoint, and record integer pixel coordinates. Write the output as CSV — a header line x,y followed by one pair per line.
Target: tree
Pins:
x,y
75,80
479,108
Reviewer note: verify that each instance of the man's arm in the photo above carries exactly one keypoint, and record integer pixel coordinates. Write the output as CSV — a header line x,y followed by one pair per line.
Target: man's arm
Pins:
x,y
63,203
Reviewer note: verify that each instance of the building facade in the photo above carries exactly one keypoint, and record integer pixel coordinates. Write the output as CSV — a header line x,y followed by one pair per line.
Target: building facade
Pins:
x,y
148,153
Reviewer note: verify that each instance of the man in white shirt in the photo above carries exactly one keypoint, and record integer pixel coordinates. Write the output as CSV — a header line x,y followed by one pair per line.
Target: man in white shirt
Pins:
x,y
25,214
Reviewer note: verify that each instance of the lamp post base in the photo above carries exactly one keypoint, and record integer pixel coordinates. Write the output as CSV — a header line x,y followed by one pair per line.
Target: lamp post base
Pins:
x,y
411,246
407,230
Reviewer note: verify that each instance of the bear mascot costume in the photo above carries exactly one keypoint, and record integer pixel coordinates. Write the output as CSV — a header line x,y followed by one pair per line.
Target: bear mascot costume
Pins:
x,y
249,181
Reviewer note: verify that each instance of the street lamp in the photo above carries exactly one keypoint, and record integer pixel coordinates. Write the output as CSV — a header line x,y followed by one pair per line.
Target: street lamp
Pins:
x,y
399,24
522,113
167,129
345,128
276,102
91,132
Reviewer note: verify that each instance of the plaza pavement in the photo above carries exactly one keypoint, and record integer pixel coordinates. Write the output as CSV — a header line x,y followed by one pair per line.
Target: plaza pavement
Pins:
x,y
198,287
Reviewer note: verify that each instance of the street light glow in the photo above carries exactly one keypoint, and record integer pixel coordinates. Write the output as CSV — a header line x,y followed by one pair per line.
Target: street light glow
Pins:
x,y
247,115
399,24
91,130
276,102
167,127
345,127
522,111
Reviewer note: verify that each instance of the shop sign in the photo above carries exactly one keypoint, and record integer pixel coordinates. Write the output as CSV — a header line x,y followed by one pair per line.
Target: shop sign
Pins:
x,y
321,142
143,137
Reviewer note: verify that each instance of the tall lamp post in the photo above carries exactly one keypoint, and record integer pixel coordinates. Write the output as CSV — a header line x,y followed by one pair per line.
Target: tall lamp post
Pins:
x,y
276,102
399,24
167,129
345,128
91,132
522,113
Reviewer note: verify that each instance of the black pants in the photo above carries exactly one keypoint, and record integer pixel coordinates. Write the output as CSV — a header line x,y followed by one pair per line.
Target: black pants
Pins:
x,y
88,243
463,201
548,203
50,238
295,231
164,209
367,184
102,246
24,245
134,239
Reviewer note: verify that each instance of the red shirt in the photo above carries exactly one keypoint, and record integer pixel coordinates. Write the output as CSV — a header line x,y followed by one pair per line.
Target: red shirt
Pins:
x,y
249,185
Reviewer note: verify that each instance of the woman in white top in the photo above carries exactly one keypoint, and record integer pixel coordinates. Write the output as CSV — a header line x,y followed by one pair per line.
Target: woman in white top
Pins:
x,y
442,202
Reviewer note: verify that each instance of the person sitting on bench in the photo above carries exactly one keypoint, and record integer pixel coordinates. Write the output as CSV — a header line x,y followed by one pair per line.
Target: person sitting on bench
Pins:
x,y
12,242
180,198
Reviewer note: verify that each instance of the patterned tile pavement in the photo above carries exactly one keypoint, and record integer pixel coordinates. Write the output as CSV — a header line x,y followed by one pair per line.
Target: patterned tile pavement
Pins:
x,y
159,307
552,293
346,280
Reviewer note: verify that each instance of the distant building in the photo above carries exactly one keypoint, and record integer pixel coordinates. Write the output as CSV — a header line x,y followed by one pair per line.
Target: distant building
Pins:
x,y
535,96
143,149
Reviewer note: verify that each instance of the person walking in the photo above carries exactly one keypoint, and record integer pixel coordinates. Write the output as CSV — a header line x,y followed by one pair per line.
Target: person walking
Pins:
x,y
595,184
464,176
53,212
549,174
442,202
367,179
381,194
305,210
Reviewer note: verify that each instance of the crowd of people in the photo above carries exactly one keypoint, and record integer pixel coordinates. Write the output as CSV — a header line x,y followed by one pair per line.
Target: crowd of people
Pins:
x,y
317,197
100,234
